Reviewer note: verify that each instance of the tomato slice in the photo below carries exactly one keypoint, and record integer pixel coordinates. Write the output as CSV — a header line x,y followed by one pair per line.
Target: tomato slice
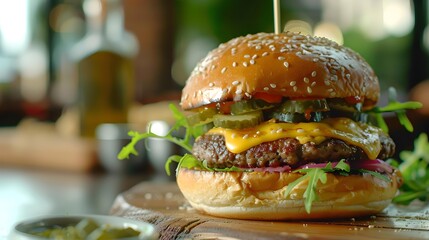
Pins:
x,y
354,99
225,107
269,98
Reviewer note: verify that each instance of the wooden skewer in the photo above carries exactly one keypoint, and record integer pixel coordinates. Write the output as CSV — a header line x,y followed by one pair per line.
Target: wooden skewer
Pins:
x,y
277,20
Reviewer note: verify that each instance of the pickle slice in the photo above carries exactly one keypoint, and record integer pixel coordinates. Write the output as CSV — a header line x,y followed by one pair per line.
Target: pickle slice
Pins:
x,y
202,117
246,106
201,129
299,117
341,105
238,121
355,116
303,106
340,108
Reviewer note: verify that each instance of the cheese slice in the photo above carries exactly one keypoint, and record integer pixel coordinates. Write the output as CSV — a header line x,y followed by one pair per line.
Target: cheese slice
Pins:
x,y
361,135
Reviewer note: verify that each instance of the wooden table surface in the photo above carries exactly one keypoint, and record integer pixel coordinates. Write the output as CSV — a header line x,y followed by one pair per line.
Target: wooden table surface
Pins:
x,y
163,205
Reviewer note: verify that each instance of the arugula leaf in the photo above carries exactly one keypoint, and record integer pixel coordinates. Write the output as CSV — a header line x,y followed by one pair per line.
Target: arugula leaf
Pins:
x,y
181,121
375,174
313,176
414,167
190,162
399,108
310,193
170,160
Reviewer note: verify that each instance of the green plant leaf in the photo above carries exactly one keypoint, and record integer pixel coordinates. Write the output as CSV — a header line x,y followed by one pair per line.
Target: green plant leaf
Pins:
x,y
310,193
399,108
375,174
316,175
414,166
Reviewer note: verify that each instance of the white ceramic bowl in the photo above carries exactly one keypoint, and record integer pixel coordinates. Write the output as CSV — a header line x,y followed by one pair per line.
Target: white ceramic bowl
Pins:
x,y
22,229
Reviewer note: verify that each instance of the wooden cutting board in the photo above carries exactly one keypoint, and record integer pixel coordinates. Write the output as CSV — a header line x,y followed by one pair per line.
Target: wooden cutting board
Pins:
x,y
163,205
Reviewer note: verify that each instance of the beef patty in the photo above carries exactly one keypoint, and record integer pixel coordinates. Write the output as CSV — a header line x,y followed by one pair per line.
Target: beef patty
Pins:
x,y
282,152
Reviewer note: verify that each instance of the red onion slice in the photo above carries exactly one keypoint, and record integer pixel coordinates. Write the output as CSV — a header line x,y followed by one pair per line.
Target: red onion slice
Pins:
x,y
376,165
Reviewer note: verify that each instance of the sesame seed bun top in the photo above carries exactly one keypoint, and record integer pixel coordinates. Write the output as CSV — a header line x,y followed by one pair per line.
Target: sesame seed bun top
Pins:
x,y
286,64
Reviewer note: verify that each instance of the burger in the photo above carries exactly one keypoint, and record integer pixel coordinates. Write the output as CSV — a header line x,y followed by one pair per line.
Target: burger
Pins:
x,y
286,133
281,126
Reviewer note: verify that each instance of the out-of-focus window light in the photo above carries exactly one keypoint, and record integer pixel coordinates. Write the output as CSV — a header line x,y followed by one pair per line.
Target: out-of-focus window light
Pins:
x,y
398,19
298,26
376,19
14,38
330,31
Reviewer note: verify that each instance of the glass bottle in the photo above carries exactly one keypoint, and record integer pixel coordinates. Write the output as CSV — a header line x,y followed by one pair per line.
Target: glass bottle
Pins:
x,y
104,67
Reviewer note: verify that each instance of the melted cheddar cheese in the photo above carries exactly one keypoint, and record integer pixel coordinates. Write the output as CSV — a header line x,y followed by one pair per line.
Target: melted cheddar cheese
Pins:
x,y
361,135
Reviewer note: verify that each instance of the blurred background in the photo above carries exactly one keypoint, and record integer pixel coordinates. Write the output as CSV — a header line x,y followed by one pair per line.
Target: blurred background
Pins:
x,y
57,59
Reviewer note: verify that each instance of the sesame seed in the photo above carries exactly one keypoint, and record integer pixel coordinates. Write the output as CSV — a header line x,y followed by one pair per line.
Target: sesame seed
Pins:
x,y
252,61
281,58
313,84
234,64
258,47
235,83
298,53
313,74
266,88
245,136
330,90
300,130
348,76
315,59
334,78
245,64
309,90
327,83
306,80
272,85
223,70
295,88
213,67
211,84
239,91
254,56
279,130
293,83
283,50
286,64
247,56
265,54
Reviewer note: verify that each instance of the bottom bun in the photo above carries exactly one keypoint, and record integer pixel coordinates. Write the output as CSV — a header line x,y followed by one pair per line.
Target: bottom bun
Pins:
x,y
260,195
